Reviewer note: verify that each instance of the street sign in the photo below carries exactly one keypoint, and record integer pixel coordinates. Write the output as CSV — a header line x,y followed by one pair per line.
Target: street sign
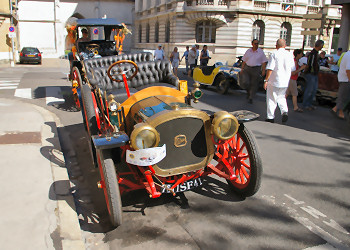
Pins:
x,y
310,32
95,31
12,29
12,34
312,24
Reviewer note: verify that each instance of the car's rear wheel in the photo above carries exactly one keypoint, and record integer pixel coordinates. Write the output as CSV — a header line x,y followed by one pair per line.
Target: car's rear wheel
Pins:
x,y
242,153
89,110
222,84
111,190
76,77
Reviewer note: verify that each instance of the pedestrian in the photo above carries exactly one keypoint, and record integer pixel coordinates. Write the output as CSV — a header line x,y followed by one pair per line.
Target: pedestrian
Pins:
x,y
344,86
204,57
279,68
197,54
292,86
175,58
186,57
253,68
311,76
323,59
192,59
334,61
159,53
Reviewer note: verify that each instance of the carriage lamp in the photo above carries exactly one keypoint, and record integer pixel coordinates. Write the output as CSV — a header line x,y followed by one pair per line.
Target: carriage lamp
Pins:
x,y
112,105
144,136
196,92
224,125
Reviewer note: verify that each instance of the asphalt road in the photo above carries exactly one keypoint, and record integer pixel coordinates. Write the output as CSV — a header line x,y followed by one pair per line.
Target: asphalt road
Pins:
x,y
303,201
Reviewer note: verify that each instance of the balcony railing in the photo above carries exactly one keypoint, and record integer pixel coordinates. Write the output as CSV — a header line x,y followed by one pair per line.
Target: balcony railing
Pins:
x,y
222,2
204,2
313,9
260,4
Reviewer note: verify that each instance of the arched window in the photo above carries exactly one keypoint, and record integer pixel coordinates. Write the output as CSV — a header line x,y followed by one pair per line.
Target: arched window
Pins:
x,y
156,32
286,32
140,33
205,32
259,31
167,31
147,33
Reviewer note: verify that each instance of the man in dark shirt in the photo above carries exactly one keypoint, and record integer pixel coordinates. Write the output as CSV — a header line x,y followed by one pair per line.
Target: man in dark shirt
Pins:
x,y
311,75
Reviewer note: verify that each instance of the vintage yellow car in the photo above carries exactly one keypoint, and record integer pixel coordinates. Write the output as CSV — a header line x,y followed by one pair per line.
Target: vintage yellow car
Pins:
x,y
144,132
218,75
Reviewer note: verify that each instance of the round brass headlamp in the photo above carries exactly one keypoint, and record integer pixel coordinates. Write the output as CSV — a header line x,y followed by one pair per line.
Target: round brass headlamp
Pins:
x,y
144,136
225,125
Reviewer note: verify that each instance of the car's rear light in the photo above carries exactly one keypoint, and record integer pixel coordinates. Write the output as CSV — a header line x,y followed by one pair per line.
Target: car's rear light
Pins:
x,y
21,54
39,54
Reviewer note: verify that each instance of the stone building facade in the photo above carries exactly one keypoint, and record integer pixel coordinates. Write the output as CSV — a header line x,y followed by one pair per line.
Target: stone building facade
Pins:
x,y
228,26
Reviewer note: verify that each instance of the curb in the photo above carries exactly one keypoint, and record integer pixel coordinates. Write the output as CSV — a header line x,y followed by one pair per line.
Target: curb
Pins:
x,y
69,227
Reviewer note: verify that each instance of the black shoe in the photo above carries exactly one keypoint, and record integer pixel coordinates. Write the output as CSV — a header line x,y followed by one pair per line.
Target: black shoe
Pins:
x,y
284,117
270,120
250,101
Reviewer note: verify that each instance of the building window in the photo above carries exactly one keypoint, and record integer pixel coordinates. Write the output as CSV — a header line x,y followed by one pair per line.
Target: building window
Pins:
x,y
167,31
205,32
259,31
156,33
313,2
140,33
147,33
286,32
310,41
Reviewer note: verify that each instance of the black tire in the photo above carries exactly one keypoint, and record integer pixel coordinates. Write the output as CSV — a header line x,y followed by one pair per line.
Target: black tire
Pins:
x,y
253,185
112,195
222,84
88,108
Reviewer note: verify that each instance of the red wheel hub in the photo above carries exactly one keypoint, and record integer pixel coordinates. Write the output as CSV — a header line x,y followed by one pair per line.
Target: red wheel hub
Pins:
x,y
234,153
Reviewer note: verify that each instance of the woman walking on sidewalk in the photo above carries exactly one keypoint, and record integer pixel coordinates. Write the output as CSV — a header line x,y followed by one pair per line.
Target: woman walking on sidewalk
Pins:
x,y
292,86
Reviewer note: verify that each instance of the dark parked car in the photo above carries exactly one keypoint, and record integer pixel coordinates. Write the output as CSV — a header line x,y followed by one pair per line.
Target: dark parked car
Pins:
x,y
30,55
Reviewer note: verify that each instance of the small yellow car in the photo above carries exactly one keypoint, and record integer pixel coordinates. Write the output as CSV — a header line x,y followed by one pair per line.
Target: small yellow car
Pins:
x,y
219,75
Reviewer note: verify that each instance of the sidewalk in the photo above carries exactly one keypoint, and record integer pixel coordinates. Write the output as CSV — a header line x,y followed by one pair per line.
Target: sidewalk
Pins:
x,y
37,208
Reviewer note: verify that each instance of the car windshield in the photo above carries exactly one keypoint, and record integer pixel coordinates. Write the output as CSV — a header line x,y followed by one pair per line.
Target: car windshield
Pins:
x,y
30,50
96,33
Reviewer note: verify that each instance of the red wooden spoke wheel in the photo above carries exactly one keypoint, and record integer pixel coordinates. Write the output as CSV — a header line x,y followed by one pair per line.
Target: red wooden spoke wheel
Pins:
x,y
77,78
242,155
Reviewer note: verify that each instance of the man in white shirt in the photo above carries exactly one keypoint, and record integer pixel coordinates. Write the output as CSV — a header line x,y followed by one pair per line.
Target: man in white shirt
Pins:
x,y
192,59
253,67
344,85
279,69
334,61
159,53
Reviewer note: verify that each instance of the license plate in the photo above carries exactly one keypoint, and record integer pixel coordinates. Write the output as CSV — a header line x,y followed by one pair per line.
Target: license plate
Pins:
x,y
30,55
187,185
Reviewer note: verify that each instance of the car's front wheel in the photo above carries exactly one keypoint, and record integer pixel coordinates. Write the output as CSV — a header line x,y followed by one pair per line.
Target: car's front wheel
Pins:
x,y
111,190
242,153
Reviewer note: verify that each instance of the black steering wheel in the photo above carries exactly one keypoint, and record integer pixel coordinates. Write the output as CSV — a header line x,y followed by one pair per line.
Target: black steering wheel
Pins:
x,y
116,70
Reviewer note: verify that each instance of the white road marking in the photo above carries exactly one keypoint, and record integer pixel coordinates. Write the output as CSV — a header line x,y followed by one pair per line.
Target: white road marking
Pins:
x,y
54,96
9,87
24,93
9,83
321,247
332,241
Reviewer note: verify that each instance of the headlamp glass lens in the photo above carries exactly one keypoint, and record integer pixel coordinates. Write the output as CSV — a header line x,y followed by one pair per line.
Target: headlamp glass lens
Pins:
x,y
146,139
226,128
